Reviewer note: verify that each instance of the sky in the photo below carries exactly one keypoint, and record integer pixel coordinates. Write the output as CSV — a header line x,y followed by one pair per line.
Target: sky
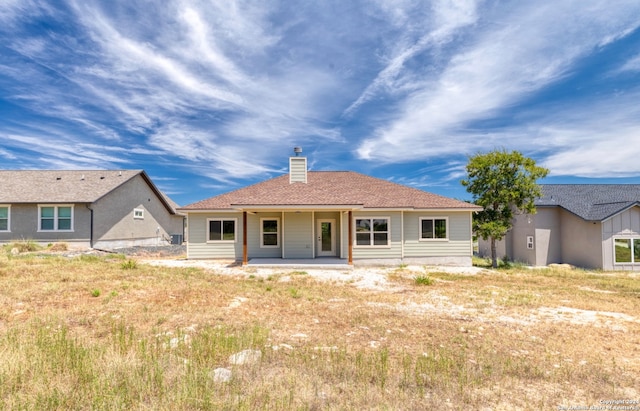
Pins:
x,y
210,96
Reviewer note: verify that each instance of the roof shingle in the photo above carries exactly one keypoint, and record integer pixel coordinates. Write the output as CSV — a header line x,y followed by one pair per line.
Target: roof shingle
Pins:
x,y
592,202
67,186
330,188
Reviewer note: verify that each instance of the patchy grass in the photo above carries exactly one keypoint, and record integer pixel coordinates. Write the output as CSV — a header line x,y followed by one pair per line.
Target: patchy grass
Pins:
x,y
153,339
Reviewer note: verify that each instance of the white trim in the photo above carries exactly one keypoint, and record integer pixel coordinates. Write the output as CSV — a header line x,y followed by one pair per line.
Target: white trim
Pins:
x,y
8,206
446,222
370,245
139,211
235,230
629,238
277,233
55,218
402,234
332,252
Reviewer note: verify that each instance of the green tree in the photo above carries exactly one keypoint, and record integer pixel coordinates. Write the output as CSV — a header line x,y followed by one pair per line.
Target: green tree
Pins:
x,y
503,184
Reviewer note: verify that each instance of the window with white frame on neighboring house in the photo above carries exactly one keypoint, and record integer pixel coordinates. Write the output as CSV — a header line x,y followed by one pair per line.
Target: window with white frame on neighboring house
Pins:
x,y
5,218
221,229
138,213
55,218
530,242
269,232
626,250
434,228
372,231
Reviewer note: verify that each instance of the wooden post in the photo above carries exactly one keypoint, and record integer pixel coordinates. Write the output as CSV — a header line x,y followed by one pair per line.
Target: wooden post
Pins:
x,y
349,223
245,254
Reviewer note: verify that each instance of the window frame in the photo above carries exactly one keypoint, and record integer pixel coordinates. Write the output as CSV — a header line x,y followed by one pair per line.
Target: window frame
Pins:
x,y
56,218
372,232
138,213
222,240
8,207
434,218
262,232
633,243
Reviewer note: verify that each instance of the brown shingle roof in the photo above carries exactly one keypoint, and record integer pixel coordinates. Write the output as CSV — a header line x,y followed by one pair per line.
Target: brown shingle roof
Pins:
x,y
330,188
66,186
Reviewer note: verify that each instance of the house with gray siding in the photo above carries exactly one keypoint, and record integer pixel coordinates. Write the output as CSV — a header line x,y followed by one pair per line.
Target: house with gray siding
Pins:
x,y
585,225
342,215
86,208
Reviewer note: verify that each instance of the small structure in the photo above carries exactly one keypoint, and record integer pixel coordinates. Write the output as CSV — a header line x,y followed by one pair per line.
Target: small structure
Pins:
x,y
310,215
585,225
87,208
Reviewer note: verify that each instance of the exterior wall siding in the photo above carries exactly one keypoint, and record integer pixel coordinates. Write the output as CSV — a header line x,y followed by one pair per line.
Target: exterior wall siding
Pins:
x,y
623,225
458,243
114,222
298,235
394,250
198,248
545,227
254,249
581,241
24,226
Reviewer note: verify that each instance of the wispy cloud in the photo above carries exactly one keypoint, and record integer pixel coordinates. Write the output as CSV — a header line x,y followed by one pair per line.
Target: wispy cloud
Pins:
x,y
222,90
517,52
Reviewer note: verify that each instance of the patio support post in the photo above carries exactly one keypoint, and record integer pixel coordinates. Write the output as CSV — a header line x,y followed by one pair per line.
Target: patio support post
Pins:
x,y
245,254
350,225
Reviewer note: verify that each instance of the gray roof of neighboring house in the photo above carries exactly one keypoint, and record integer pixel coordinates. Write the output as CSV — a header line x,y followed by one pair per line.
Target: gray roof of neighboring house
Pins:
x,y
67,186
592,202
330,188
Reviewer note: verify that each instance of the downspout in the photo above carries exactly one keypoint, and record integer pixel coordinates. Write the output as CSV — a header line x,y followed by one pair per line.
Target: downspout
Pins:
x,y
90,226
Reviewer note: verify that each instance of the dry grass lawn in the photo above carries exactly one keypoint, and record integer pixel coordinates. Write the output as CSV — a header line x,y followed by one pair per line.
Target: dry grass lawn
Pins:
x,y
110,333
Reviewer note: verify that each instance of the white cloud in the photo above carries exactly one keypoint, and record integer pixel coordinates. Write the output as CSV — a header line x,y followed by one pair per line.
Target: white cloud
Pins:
x,y
633,64
532,46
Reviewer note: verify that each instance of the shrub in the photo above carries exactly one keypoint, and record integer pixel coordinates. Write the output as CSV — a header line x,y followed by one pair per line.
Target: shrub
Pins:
x,y
423,280
129,264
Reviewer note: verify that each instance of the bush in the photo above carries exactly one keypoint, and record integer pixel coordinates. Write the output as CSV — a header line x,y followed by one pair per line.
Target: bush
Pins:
x,y
423,280
129,264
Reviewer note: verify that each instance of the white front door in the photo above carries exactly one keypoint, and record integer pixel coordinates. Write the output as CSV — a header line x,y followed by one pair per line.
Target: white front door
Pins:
x,y
326,238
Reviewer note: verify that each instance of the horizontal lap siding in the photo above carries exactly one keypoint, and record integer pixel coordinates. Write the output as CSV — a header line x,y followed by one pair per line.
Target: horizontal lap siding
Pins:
x,y
253,236
458,244
392,251
298,235
198,246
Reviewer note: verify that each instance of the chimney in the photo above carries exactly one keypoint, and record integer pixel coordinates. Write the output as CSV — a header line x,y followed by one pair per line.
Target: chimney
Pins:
x,y
297,167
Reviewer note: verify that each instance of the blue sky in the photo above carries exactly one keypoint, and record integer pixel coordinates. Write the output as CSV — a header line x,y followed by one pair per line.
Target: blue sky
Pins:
x,y
209,96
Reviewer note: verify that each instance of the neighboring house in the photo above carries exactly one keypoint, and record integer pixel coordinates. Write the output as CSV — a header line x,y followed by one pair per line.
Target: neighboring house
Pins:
x,y
95,208
345,215
585,225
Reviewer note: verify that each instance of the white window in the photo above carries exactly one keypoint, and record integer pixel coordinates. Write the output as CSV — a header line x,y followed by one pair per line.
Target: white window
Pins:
x,y
372,232
626,250
530,242
55,218
269,232
434,228
221,230
138,213
5,218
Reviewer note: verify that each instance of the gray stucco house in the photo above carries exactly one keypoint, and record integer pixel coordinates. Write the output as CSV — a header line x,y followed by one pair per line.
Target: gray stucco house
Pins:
x,y
87,208
585,225
335,215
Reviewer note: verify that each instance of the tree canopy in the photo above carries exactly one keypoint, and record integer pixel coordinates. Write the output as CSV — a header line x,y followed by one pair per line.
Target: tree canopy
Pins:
x,y
503,184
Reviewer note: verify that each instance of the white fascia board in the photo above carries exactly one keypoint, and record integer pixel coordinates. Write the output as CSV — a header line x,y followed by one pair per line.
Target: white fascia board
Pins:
x,y
341,207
